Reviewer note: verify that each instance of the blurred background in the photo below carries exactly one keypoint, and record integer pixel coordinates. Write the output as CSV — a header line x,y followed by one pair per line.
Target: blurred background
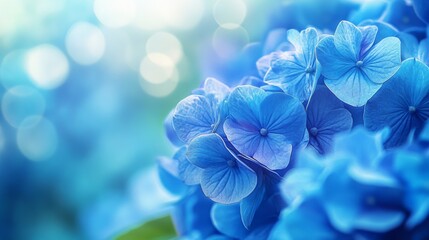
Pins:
x,y
85,87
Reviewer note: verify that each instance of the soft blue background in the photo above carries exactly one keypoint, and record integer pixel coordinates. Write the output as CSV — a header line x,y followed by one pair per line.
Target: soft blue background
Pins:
x,y
85,167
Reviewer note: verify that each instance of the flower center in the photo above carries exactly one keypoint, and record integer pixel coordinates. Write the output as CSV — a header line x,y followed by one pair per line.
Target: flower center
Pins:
x,y
314,131
359,64
231,163
412,109
309,70
263,132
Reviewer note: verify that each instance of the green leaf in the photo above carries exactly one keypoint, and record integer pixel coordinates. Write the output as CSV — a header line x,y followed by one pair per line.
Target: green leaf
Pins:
x,y
157,229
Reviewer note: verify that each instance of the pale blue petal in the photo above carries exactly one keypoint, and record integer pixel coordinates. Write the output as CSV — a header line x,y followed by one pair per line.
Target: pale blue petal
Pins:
x,y
354,88
216,88
208,151
244,103
228,184
226,219
244,137
169,130
334,65
423,52
294,38
273,151
195,115
383,60
309,40
188,172
348,40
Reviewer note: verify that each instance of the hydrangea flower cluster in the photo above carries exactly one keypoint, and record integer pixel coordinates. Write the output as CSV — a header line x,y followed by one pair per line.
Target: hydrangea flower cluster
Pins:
x,y
326,138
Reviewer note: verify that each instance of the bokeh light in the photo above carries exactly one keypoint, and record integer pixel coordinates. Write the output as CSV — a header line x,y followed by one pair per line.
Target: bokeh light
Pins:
x,y
157,68
37,138
47,66
85,43
20,103
115,13
229,42
166,44
229,13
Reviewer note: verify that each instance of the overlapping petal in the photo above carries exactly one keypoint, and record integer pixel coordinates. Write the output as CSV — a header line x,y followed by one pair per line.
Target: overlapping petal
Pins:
x,y
402,104
224,179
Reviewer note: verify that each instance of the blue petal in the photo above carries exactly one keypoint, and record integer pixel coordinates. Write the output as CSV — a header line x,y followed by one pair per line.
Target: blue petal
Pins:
x,y
228,184
195,115
208,151
227,220
401,104
283,114
369,34
384,29
169,129
224,179
171,182
274,151
423,52
262,232
379,220
366,153
244,104
348,40
216,88
334,64
309,40
353,88
187,171
251,203
409,45
383,60
294,38
424,135
244,137
309,214
326,116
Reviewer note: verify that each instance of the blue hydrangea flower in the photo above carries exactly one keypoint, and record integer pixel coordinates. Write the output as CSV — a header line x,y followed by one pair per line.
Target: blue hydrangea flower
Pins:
x,y
265,126
191,216
413,167
224,178
200,113
362,199
308,213
296,71
402,15
421,8
355,68
326,116
402,103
